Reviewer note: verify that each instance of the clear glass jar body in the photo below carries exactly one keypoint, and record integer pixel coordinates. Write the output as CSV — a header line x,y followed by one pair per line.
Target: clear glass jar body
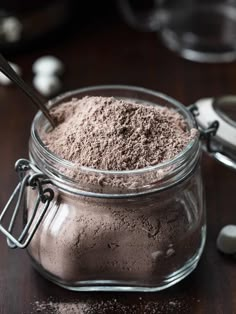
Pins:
x,y
145,236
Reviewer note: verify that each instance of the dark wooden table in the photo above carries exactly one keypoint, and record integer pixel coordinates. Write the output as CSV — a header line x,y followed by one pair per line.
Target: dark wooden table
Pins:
x,y
114,54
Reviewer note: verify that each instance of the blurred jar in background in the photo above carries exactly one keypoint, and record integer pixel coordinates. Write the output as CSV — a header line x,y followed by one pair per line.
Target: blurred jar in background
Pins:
x,y
199,30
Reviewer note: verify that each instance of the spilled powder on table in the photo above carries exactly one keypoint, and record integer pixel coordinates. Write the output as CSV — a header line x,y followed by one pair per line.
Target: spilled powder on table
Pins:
x,y
112,306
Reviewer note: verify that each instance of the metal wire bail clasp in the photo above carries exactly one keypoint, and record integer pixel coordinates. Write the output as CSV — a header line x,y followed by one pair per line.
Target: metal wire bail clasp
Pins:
x,y
217,133
30,177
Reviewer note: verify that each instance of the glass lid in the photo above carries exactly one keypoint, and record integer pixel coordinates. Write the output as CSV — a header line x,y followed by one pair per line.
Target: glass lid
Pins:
x,y
216,118
225,106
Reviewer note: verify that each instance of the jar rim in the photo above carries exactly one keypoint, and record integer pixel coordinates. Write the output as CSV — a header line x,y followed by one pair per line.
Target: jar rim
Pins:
x,y
65,163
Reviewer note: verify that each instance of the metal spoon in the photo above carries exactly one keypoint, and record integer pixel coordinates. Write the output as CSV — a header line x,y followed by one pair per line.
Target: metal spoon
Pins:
x,y
13,76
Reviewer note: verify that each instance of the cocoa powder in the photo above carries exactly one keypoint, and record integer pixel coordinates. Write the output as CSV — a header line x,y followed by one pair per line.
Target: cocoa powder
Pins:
x,y
114,134
113,305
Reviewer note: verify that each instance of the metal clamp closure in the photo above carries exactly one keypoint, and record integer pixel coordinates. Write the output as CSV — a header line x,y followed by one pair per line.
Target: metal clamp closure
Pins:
x,y
31,177
206,134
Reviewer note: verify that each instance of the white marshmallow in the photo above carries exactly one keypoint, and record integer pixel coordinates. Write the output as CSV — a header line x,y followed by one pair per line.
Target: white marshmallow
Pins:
x,y
48,65
4,80
47,85
11,28
226,241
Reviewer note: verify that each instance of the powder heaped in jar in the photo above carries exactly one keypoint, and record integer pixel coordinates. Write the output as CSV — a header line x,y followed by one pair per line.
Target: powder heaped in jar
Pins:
x,y
114,134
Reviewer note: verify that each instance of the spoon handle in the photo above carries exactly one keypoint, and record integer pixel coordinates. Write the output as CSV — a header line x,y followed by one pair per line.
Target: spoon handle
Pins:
x,y
13,76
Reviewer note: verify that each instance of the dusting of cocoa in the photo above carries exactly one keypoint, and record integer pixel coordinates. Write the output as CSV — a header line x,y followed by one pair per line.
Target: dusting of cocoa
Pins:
x,y
119,305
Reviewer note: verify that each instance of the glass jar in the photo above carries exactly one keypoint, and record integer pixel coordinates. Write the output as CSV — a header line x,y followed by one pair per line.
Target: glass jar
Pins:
x,y
87,229
198,30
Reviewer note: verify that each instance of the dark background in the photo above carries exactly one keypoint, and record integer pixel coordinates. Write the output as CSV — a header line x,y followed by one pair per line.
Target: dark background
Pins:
x,y
97,47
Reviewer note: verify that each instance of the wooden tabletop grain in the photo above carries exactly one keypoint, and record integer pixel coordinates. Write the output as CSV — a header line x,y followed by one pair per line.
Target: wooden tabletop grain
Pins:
x,y
114,54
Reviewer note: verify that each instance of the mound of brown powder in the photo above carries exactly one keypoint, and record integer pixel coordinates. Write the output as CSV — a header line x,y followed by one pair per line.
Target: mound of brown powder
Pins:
x,y
113,134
